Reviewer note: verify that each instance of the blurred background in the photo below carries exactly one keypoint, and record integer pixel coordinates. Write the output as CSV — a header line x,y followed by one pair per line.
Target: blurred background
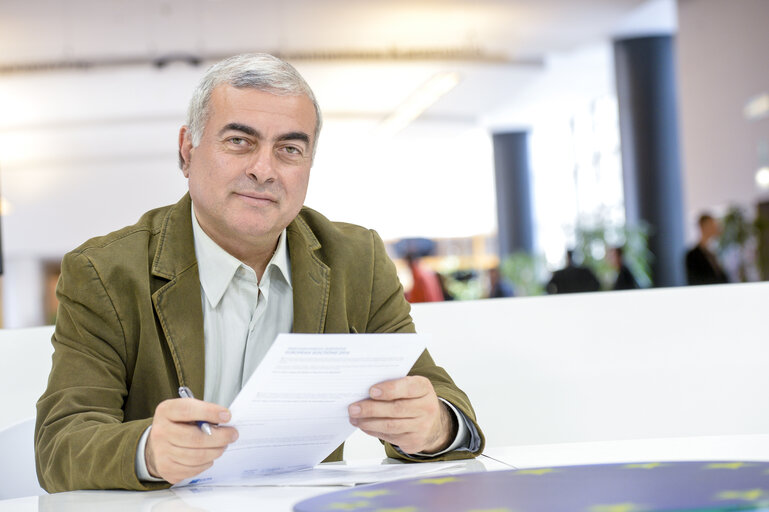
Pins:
x,y
482,139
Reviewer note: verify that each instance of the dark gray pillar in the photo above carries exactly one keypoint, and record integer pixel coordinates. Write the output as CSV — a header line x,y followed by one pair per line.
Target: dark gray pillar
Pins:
x,y
646,90
514,211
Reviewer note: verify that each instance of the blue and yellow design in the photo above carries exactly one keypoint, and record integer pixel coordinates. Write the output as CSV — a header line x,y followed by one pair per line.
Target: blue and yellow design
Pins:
x,y
711,486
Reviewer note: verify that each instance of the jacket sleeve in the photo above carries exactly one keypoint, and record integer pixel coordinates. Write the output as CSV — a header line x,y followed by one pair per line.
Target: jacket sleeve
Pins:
x,y
81,441
389,312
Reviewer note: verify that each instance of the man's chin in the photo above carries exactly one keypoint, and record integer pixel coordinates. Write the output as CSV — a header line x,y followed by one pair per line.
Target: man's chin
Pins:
x,y
259,229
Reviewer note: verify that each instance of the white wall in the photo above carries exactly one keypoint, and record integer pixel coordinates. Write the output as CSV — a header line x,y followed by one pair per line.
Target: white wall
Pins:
x,y
667,362
722,63
84,153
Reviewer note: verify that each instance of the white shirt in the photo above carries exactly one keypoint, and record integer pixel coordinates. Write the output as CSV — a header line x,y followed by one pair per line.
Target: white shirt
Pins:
x,y
242,316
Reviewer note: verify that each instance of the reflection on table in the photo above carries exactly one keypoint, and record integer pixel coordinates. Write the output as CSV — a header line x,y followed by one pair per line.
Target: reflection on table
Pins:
x,y
208,499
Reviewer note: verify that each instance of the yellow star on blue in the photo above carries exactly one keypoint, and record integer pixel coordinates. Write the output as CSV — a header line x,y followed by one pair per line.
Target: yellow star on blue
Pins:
x,y
617,507
371,494
749,495
535,472
353,505
727,465
647,465
438,481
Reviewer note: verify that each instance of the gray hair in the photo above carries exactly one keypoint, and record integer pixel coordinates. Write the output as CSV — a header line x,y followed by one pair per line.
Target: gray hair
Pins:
x,y
258,71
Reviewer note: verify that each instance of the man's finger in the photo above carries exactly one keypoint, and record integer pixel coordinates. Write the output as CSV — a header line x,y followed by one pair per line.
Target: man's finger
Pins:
x,y
406,408
186,410
414,386
190,436
386,426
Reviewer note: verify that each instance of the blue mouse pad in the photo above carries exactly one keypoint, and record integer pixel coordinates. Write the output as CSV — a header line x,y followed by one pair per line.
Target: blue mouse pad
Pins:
x,y
643,487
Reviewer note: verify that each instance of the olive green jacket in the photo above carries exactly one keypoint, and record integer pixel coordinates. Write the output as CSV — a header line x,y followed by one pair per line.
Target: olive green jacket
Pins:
x,y
129,332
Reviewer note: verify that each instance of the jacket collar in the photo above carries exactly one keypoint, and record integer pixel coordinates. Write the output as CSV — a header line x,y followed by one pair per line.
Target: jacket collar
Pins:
x,y
217,267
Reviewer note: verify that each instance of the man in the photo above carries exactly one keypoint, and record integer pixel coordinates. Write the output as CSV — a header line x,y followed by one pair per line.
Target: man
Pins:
x,y
573,278
625,279
426,285
194,294
499,287
702,266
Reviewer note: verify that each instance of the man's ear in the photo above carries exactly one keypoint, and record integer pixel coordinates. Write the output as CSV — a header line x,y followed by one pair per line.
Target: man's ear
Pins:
x,y
185,150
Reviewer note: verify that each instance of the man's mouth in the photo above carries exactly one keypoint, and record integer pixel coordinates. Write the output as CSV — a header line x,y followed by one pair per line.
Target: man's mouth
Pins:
x,y
257,198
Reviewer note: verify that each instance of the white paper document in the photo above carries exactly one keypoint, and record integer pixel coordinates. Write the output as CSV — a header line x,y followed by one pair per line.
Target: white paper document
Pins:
x,y
343,474
292,412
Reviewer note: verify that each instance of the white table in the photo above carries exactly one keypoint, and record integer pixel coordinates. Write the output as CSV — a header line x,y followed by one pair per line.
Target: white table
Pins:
x,y
278,499
209,499
742,447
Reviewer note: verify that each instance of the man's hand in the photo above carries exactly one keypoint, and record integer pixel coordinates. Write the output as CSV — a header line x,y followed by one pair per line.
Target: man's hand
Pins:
x,y
407,413
176,447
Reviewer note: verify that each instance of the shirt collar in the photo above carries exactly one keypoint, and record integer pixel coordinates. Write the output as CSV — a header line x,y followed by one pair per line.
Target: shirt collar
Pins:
x,y
217,267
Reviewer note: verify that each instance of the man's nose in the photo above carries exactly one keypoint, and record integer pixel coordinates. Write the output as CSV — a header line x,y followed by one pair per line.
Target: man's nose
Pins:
x,y
262,165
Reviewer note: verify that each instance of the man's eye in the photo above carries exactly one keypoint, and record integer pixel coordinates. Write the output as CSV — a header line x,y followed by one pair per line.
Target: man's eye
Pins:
x,y
293,151
239,144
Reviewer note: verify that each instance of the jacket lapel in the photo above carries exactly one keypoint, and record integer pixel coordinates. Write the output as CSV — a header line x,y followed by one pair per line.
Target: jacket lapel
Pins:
x,y
177,303
309,278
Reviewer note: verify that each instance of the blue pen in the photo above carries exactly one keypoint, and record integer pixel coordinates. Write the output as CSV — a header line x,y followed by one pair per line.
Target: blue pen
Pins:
x,y
185,392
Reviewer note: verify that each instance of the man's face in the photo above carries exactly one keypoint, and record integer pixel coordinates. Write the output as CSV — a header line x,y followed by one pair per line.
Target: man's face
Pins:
x,y
248,176
613,258
711,228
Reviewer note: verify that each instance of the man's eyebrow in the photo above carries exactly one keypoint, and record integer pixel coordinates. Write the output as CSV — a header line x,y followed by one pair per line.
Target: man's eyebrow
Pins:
x,y
294,136
248,130
239,128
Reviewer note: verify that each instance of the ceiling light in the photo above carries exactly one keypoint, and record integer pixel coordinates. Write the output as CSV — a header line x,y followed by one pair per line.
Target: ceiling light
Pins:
x,y
419,101
762,178
757,108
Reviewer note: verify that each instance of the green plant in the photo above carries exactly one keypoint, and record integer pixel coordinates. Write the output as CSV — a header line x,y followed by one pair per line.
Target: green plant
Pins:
x,y
593,243
761,225
468,288
527,273
738,239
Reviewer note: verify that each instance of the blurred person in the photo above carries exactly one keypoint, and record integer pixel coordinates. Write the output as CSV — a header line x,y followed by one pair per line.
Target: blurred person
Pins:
x,y
195,293
426,283
572,278
499,286
443,280
625,279
702,266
